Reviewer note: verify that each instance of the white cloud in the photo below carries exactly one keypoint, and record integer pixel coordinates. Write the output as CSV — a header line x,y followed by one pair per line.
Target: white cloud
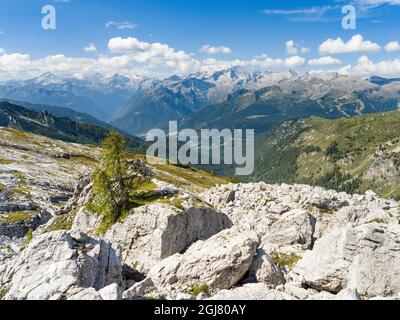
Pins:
x,y
301,14
127,44
392,46
305,50
155,54
366,67
324,61
122,25
90,48
260,62
295,61
130,56
355,44
2,51
215,50
378,2
291,47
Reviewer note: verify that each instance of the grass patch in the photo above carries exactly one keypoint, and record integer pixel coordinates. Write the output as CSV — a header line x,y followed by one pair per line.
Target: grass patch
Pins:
x,y
63,222
182,176
28,237
5,161
327,212
16,217
21,191
107,222
285,260
196,289
2,294
177,203
377,220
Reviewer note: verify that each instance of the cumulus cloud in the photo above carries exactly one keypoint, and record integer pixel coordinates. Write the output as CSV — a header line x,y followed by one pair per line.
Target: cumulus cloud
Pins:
x,y
127,44
90,48
292,48
366,67
295,61
355,44
215,50
392,46
155,54
131,57
323,61
122,25
260,62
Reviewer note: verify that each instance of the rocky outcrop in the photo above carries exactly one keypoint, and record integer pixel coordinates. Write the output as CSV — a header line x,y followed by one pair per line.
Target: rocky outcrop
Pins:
x,y
219,262
246,241
265,270
54,263
154,232
294,227
365,258
20,228
256,291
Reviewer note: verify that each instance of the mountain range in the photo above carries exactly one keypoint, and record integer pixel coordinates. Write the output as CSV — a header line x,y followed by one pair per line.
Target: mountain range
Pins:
x,y
97,95
230,98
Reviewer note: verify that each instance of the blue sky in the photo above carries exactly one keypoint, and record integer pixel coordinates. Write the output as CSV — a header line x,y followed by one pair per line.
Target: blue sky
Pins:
x,y
253,33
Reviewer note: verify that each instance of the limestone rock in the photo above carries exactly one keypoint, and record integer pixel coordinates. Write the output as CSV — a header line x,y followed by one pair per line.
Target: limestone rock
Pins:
x,y
219,262
85,221
155,232
252,291
79,294
265,270
111,292
55,262
365,258
294,227
140,289
348,294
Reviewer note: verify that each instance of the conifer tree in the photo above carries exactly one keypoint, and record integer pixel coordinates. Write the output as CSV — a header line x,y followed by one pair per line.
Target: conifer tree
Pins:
x,y
114,179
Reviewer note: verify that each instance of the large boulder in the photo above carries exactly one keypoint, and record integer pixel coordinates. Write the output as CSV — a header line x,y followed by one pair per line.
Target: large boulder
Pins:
x,y
293,227
219,262
365,258
152,233
252,291
56,262
265,270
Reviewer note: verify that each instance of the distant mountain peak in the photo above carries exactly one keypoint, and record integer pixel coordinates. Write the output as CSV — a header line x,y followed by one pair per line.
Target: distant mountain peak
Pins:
x,y
47,76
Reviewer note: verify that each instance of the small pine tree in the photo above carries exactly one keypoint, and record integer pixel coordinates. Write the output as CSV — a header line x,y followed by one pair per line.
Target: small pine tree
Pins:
x,y
114,179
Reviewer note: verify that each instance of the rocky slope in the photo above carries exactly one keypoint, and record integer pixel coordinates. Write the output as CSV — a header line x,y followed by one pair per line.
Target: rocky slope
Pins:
x,y
37,176
352,155
191,236
22,116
